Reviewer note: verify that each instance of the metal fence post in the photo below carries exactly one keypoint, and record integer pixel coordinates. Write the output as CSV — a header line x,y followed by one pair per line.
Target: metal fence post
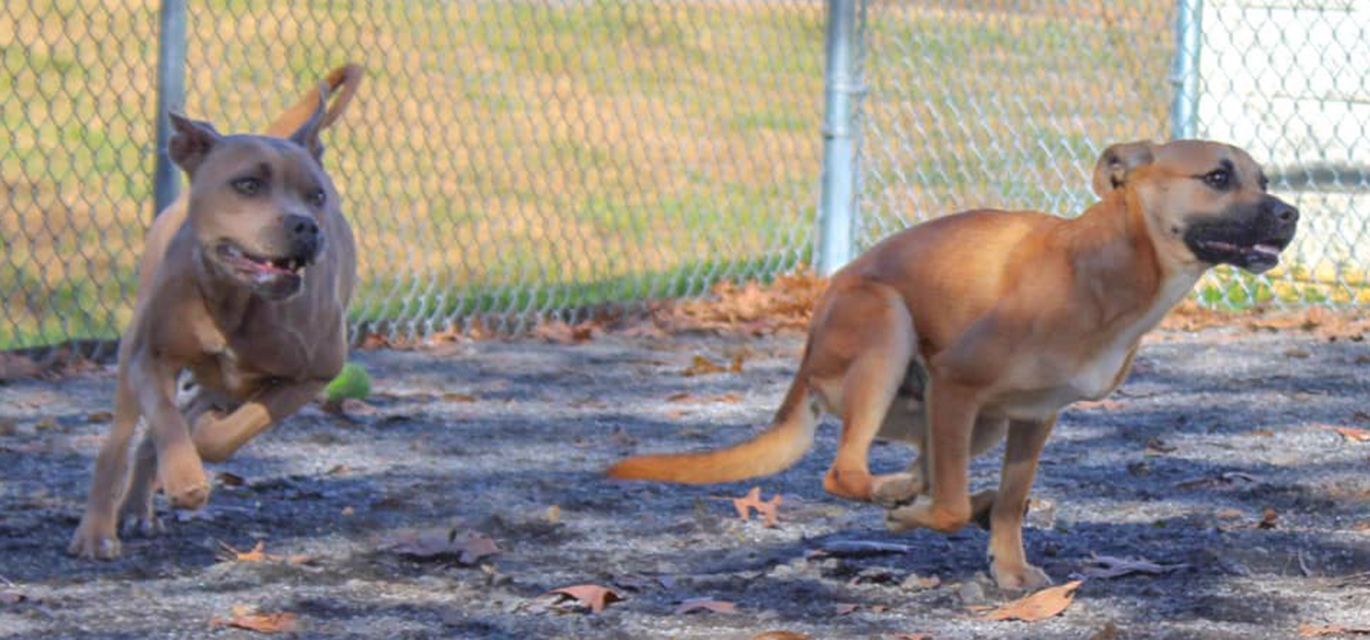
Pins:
x,y
171,94
837,210
1184,74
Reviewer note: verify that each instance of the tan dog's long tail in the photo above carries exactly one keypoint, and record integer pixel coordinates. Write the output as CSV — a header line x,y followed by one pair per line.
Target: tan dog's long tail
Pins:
x,y
342,85
773,450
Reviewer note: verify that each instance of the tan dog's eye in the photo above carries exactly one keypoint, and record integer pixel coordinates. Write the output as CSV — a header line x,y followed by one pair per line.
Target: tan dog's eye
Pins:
x,y
248,186
317,197
1219,179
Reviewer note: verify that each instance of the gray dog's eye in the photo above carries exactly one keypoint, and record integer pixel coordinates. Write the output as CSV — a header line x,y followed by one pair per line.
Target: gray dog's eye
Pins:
x,y
317,197
248,186
1218,179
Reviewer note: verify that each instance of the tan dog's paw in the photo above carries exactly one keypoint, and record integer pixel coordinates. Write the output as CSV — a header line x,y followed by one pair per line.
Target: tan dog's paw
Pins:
x,y
1020,577
926,514
895,489
850,484
183,480
95,541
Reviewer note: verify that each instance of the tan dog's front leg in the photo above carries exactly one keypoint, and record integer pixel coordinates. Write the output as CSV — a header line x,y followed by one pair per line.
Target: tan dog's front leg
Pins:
x,y
1008,561
217,436
97,535
952,411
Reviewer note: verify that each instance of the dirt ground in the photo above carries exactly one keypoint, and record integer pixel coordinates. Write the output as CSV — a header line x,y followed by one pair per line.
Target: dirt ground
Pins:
x,y
1219,454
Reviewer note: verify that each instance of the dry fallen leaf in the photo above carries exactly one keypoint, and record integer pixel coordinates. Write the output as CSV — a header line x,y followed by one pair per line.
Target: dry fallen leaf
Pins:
x,y
99,416
458,397
1353,434
12,597
1041,605
844,608
706,604
467,546
561,333
1268,518
1112,567
684,397
256,554
780,634
244,617
590,595
738,359
913,636
700,366
1307,630
768,509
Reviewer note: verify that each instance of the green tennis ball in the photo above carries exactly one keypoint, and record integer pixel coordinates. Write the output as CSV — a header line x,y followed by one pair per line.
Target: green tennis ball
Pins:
x,y
352,382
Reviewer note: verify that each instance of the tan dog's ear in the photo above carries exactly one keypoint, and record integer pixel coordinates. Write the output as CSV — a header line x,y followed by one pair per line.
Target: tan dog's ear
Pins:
x,y
307,135
1117,161
192,141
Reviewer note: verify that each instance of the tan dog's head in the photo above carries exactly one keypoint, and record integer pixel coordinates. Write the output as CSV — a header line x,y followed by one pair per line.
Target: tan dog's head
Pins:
x,y
1205,202
257,203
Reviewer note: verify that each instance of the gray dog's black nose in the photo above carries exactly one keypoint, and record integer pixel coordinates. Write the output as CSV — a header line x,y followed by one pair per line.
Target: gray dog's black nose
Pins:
x,y
304,236
301,226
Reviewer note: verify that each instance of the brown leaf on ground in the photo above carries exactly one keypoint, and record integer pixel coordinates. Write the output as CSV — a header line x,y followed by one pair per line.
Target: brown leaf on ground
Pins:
x,y
769,510
351,406
701,366
12,597
780,634
1041,605
559,332
736,365
99,416
256,554
1268,519
244,617
1351,434
844,608
685,397
706,604
912,636
1113,567
753,308
1307,630
591,595
466,546
458,397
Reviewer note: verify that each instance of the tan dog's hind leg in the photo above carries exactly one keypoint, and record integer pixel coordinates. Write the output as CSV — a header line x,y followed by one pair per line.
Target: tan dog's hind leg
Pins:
x,y
217,435
952,413
904,487
1008,562
97,535
884,347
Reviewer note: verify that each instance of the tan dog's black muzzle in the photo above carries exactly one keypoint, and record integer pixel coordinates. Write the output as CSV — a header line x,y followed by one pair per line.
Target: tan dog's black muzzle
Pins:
x,y
1249,237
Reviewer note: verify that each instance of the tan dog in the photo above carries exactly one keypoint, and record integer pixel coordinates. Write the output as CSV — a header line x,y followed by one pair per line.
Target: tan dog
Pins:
x,y
244,283
987,323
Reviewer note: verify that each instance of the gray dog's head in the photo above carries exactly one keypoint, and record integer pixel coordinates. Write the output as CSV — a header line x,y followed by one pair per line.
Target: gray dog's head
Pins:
x,y
257,203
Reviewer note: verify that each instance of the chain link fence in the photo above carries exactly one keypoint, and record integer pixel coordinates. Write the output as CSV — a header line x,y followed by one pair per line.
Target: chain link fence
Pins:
x,y
1007,104
512,160
503,161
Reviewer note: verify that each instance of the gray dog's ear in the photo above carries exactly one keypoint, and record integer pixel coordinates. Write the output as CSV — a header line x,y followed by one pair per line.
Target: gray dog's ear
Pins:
x,y
192,141
307,135
1119,160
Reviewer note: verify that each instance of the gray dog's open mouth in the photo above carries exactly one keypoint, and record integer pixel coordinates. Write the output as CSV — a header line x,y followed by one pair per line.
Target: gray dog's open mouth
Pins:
x,y
259,269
